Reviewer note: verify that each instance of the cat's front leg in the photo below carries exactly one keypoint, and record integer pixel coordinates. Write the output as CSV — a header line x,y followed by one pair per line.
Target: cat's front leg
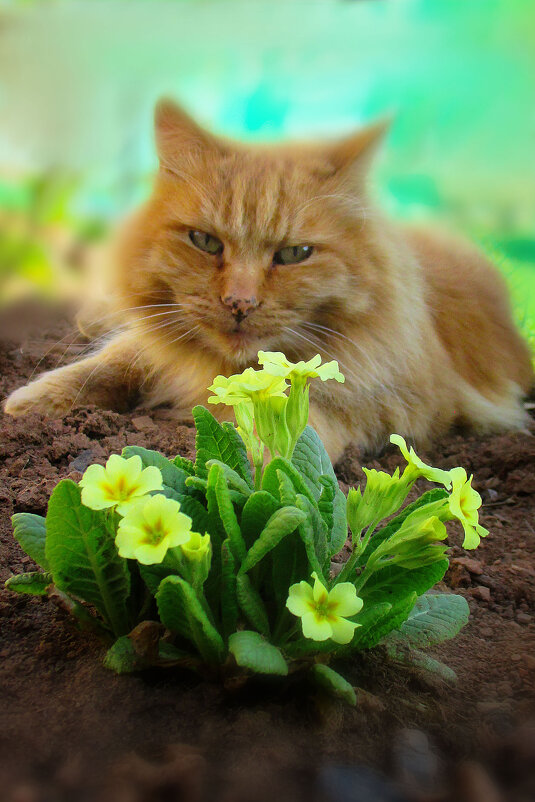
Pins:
x,y
110,379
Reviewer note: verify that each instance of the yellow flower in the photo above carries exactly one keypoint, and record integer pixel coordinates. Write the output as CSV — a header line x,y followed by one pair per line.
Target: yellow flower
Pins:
x,y
197,547
150,527
416,467
247,386
121,483
275,362
463,504
321,611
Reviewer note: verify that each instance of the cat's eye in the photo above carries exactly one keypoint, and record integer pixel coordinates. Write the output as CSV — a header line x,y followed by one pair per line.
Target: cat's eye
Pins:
x,y
292,254
206,242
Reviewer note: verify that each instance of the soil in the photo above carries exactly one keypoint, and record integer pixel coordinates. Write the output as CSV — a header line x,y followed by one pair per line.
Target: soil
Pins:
x,y
71,730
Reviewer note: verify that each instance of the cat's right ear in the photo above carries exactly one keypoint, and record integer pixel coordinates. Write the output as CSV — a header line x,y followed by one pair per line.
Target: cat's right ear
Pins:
x,y
178,137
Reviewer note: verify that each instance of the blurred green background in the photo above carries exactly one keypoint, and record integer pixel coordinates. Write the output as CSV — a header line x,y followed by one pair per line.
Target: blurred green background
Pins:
x,y
78,81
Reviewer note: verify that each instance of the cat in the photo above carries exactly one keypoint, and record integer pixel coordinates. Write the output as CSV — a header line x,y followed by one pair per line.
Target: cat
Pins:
x,y
279,247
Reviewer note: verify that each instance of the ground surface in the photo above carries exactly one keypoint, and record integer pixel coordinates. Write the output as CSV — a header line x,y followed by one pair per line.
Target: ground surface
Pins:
x,y
70,730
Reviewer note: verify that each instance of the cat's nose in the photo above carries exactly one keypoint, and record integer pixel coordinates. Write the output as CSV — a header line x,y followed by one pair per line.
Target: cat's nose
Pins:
x,y
240,307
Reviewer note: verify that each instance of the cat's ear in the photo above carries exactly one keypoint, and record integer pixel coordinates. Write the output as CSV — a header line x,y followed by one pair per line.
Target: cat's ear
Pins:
x,y
178,136
352,157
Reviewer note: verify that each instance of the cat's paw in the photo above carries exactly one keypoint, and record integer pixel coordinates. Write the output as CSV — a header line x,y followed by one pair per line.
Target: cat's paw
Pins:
x,y
38,396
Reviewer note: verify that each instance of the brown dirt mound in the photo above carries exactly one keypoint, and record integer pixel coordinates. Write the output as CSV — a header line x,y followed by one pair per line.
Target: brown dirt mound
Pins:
x,y
70,730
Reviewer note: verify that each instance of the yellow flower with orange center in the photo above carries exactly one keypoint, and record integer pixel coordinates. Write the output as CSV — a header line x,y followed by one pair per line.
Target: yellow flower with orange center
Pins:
x,y
120,484
151,527
323,612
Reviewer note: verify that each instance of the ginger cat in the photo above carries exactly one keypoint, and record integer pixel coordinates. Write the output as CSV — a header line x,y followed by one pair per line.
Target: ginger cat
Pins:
x,y
278,247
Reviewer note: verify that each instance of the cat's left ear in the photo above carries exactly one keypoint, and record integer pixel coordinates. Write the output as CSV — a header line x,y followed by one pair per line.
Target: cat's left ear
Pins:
x,y
352,157
178,137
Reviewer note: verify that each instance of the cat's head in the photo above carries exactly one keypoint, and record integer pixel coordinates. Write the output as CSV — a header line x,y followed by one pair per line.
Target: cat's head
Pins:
x,y
254,243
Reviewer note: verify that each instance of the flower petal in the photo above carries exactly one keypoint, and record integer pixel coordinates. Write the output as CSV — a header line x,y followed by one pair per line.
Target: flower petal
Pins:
x,y
345,597
300,599
342,630
316,627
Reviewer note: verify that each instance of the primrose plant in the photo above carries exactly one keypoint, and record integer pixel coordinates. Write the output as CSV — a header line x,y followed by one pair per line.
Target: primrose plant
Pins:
x,y
225,565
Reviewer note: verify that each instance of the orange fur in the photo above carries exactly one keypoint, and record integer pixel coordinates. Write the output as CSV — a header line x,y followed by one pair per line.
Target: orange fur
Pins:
x,y
419,323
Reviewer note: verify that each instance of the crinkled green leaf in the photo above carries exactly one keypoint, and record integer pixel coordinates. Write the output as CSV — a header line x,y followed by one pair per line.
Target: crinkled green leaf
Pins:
x,y
30,531
83,558
312,461
423,661
334,683
220,505
287,492
436,617
329,486
184,464
176,598
282,523
232,478
338,534
369,619
35,583
229,599
251,604
270,479
221,442
252,651
312,531
173,477
258,509
121,657
394,582
398,613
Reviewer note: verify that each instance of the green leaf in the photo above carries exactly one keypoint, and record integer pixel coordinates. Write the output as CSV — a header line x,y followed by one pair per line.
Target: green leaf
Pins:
x,y
369,619
436,617
394,582
312,532
251,604
121,657
257,511
174,478
312,461
83,558
177,599
378,537
232,478
334,683
423,661
229,599
329,486
283,522
220,506
184,464
153,574
34,583
270,479
198,514
398,613
338,535
30,531
221,442
252,651
287,492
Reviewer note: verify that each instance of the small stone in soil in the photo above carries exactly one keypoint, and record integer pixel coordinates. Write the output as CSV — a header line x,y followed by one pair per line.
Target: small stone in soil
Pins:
x,y
82,461
143,423
473,566
481,592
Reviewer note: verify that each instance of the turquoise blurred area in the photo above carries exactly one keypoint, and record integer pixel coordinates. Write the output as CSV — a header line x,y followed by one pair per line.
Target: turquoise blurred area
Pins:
x,y
78,81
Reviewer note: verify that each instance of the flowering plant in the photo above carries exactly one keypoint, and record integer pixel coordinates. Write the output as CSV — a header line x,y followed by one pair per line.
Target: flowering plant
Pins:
x,y
226,570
